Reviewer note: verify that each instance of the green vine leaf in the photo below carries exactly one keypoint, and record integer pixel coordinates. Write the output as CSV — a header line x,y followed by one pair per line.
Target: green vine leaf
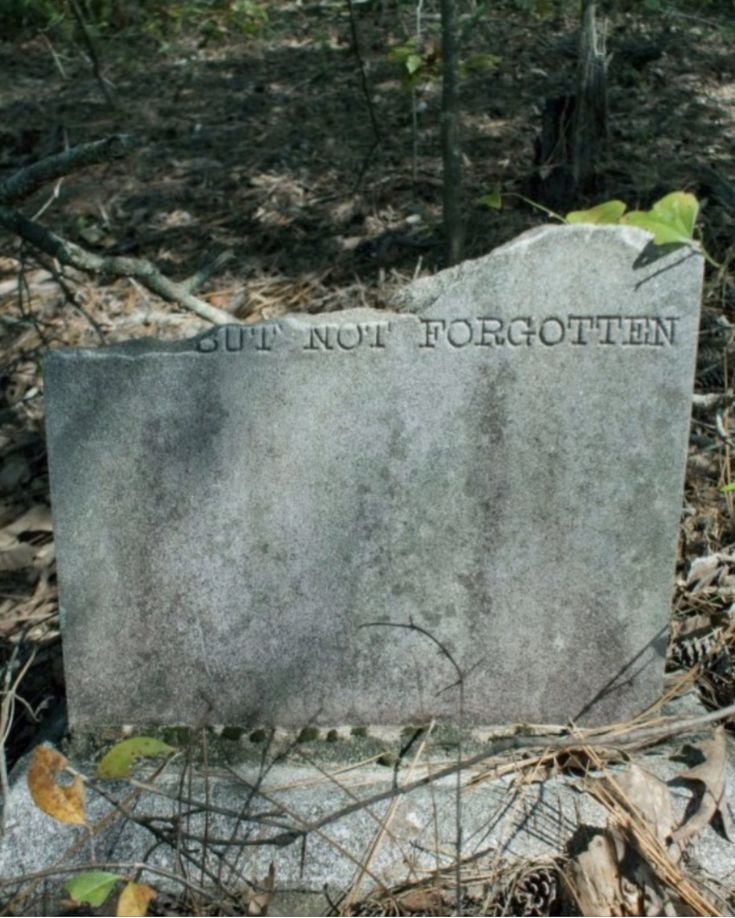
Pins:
x,y
413,63
91,888
671,219
607,212
118,762
493,200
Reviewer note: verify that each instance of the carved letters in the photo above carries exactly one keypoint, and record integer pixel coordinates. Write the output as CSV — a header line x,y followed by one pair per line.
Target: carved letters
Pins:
x,y
459,334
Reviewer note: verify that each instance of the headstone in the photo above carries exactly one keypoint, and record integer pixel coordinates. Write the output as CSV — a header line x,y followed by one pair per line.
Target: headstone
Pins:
x,y
298,521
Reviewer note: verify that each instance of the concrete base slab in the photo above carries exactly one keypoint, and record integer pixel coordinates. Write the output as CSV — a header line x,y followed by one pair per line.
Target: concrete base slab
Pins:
x,y
218,825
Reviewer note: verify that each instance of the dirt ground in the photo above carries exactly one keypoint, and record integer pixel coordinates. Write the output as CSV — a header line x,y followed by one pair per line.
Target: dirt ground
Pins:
x,y
263,145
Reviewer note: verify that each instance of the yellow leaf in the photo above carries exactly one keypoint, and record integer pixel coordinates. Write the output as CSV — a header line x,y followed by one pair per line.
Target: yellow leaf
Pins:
x,y
711,803
134,899
64,802
607,212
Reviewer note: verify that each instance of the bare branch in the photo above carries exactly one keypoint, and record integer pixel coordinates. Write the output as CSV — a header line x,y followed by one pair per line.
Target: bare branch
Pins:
x,y
24,182
451,148
69,253
377,137
203,274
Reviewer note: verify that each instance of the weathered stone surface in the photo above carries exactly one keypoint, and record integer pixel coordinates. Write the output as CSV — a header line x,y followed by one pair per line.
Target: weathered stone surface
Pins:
x,y
499,461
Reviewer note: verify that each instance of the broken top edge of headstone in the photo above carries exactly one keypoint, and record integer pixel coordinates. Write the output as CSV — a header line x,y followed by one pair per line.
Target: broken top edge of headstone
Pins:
x,y
418,295
421,293
133,348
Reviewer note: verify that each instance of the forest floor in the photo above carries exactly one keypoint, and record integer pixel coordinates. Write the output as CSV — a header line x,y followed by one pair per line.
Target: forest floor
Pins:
x,y
263,144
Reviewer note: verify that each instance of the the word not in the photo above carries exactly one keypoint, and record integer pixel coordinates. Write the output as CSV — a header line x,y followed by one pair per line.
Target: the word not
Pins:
x,y
347,337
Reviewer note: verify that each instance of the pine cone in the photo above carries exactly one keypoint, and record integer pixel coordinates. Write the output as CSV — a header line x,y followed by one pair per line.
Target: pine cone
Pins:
x,y
535,893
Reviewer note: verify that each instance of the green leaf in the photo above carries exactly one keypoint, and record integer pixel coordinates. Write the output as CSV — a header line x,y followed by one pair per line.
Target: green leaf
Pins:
x,y
118,762
414,62
607,212
679,209
663,232
91,888
672,219
494,199
726,489
401,52
480,63
543,8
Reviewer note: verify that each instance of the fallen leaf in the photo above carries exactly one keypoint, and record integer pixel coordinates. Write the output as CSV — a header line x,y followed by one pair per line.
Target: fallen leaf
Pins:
x,y
118,762
711,802
37,519
422,902
63,802
17,556
91,888
649,795
702,572
134,899
13,470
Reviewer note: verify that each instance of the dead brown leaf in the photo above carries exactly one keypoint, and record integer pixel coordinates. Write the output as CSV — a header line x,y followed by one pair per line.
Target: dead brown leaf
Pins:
x,y
134,900
63,802
649,795
703,572
36,519
15,555
711,803
423,901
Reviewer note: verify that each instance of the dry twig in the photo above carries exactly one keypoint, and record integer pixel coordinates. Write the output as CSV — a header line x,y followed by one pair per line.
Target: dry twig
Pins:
x,y
27,180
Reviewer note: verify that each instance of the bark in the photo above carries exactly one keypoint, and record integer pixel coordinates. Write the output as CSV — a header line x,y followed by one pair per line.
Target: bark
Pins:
x,y
451,150
24,182
93,53
590,116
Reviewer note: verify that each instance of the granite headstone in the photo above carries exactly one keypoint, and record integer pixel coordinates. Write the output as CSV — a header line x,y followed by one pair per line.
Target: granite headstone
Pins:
x,y
243,518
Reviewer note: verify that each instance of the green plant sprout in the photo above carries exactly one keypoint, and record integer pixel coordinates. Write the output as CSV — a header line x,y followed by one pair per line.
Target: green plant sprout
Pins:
x,y
671,220
419,64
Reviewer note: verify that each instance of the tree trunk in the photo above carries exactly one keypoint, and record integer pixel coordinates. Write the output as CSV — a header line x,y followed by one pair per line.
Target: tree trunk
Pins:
x,y
451,153
590,115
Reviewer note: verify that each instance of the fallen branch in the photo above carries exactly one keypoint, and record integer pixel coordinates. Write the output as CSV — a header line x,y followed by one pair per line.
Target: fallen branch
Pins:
x,y
73,255
24,182
203,274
